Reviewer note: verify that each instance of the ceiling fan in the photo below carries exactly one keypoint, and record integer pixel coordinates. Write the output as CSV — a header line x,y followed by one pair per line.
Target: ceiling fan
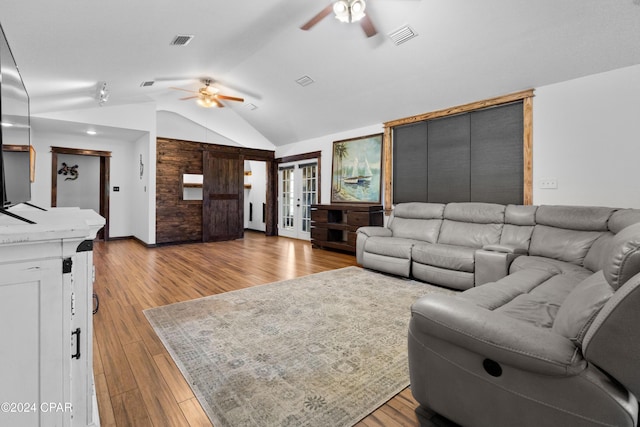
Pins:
x,y
345,11
208,96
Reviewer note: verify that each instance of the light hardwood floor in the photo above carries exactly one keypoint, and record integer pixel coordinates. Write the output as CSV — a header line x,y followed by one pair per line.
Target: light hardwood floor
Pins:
x,y
137,382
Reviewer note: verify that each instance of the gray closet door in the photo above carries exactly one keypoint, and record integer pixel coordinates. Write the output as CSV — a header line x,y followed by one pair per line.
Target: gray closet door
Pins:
x,y
497,162
410,163
448,159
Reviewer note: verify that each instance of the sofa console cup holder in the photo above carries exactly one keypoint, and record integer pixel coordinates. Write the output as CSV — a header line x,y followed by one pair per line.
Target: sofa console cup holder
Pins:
x,y
492,368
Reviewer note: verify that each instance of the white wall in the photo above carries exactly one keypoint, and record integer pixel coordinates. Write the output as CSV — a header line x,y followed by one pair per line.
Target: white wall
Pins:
x,y
173,125
120,208
140,222
325,144
586,134
82,189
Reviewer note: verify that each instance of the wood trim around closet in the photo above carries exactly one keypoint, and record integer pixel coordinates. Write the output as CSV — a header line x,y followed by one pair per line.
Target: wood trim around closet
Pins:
x,y
526,96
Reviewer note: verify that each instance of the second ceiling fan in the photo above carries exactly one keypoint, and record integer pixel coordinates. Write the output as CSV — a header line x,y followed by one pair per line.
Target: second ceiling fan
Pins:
x,y
208,96
345,11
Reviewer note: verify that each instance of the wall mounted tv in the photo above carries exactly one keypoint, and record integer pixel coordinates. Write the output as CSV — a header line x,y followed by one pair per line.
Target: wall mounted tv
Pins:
x,y
15,132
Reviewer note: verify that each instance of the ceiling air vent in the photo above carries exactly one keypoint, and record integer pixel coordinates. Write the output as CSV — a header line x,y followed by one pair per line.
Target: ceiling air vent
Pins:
x,y
304,81
402,35
147,83
181,40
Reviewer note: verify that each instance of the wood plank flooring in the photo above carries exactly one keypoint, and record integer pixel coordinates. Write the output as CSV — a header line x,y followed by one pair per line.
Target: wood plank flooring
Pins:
x,y
137,382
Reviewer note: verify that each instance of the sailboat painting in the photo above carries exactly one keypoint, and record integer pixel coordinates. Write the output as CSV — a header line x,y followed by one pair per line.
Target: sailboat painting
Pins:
x,y
357,170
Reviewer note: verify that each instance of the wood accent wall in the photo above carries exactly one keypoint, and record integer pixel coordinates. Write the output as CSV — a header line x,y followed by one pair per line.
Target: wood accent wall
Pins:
x,y
177,220
526,96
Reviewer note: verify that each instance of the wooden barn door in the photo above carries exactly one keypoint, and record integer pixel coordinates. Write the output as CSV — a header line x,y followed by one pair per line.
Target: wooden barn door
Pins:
x,y
222,197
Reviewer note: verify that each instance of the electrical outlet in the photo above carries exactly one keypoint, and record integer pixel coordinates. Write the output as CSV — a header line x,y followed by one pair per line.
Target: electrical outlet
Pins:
x,y
549,183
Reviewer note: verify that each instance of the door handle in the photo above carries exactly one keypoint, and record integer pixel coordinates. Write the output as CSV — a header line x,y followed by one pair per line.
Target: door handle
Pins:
x,y
77,334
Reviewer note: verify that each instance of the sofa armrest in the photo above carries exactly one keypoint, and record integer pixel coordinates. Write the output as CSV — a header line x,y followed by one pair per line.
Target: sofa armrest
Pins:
x,y
371,231
491,266
507,249
495,336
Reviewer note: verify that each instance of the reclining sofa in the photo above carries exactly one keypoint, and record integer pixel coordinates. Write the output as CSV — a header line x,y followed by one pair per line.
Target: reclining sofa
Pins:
x,y
462,245
545,332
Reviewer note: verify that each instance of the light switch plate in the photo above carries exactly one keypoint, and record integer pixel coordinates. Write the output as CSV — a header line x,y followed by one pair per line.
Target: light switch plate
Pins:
x,y
549,183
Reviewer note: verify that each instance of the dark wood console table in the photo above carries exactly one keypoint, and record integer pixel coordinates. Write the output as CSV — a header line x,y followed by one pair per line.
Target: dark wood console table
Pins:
x,y
335,226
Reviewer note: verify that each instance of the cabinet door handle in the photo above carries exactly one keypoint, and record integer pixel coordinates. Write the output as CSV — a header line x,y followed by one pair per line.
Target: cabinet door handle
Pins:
x,y
77,334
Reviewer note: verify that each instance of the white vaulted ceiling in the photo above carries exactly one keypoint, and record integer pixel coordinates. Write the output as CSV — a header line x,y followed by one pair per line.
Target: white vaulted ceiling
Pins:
x,y
465,51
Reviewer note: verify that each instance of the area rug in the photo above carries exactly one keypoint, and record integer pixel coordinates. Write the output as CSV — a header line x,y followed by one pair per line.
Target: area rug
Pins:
x,y
321,350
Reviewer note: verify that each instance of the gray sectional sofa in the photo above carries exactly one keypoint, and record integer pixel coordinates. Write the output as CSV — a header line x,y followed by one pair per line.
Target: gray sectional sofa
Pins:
x,y
545,332
462,245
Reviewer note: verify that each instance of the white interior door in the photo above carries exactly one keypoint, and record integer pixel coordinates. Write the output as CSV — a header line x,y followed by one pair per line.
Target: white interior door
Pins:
x,y
298,187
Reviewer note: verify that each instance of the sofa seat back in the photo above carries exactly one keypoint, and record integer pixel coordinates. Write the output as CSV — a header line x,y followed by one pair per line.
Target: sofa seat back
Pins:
x,y
567,233
417,221
472,225
519,221
597,256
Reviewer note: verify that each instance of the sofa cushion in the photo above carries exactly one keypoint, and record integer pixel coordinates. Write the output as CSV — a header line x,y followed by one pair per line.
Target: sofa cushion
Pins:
x,y
481,213
562,244
552,266
581,306
390,246
586,218
419,210
623,261
446,256
520,214
426,230
598,253
517,236
623,218
496,294
468,234
540,305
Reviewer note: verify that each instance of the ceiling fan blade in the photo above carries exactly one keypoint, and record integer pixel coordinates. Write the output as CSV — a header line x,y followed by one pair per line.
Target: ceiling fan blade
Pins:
x,y
189,97
229,98
367,26
218,103
186,90
319,17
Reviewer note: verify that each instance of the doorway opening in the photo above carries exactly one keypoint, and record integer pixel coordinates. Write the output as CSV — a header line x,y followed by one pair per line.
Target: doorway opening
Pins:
x,y
80,178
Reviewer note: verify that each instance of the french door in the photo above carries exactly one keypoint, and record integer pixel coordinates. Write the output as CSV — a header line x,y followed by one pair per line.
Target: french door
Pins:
x,y
298,188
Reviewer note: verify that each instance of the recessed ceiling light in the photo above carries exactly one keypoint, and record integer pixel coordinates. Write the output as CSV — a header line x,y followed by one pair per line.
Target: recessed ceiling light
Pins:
x,y
6,124
250,106
92,132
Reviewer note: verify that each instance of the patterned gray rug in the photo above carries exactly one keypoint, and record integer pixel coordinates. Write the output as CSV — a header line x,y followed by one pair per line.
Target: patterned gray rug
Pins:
x,y
321,350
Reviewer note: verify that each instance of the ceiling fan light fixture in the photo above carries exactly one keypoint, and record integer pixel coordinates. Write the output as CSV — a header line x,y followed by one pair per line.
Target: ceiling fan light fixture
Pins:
x,y
357,10
206,102
349,10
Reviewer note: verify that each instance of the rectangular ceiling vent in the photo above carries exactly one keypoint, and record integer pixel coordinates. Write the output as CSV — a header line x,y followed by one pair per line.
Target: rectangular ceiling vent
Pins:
x,y
402,35
181,40
304,81
147,83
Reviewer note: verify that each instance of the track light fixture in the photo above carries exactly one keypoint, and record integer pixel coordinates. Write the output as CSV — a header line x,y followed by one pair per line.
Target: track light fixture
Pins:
x,y
102,94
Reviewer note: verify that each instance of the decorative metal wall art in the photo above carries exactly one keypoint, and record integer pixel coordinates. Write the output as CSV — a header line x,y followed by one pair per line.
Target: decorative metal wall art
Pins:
x,y
69,170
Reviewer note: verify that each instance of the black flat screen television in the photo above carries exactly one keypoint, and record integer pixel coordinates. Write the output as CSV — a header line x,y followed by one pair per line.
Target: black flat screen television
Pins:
x,y
15,131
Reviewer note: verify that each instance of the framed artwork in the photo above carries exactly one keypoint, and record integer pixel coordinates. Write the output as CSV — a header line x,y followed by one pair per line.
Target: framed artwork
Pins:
x,y
356,170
